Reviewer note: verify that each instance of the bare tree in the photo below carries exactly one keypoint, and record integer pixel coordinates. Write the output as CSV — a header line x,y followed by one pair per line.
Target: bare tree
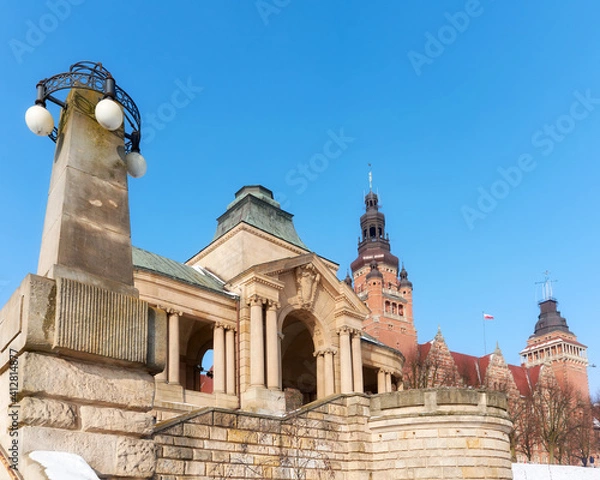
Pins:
x,y
554,406
303,450
436,369
581,441
242,464
525,435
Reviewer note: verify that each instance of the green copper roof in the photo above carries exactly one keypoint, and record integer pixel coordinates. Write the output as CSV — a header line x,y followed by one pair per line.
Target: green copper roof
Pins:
x,y
198,277
254,205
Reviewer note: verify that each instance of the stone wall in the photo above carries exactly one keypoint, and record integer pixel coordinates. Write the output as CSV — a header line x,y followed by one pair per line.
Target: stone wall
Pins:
x,y
435,434
72,394
443,433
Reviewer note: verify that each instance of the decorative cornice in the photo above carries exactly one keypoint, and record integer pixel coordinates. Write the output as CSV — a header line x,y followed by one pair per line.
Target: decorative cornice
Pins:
x,y
345,312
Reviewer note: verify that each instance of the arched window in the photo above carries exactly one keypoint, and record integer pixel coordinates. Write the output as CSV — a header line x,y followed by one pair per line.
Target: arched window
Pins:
x,y
394,308
372,232
400,309
387,307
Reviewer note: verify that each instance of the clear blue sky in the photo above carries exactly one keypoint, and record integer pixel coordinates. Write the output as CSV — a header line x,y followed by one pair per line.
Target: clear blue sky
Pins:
x,y
444,101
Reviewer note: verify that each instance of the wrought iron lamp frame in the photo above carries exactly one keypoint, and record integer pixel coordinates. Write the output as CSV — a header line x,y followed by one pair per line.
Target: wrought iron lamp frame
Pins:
x,y
93,76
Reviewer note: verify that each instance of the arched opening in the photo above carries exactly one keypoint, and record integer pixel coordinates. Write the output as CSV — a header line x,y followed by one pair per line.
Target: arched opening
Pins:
x,y
298,364
198,361
372,232
370,379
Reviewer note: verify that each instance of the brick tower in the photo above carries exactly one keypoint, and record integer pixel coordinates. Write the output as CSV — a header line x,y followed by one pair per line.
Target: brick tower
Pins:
x,y
384,288
552,342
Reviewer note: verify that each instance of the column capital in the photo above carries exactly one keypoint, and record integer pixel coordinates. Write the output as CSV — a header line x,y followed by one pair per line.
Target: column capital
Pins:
x,y
255,300
273,305
345,330
172,311
220,325
330,350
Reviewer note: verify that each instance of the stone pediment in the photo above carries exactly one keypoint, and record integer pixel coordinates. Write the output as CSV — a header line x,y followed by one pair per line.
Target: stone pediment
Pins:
x,y
304,278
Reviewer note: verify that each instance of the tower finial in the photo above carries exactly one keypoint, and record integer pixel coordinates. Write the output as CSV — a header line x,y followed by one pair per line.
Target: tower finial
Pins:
x,y
370,179
546,286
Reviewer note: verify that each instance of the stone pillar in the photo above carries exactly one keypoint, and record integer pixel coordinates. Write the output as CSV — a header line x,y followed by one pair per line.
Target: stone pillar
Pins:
x,y
230,360
173,361
87,233
381,381
162,376
388,382
357,362
219,374
320,374
345,361
86,345
329,373
257,348
273,361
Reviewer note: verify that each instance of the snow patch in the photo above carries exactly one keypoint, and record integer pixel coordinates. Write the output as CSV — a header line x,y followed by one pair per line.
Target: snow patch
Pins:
x,y
526,471
63,465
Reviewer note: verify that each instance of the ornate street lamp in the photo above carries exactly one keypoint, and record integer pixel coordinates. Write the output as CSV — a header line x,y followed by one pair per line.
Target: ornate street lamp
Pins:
x,y
92,76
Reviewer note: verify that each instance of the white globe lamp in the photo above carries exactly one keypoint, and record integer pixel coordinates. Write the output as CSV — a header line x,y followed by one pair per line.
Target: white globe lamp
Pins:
x,y
109,114
39,120
136,164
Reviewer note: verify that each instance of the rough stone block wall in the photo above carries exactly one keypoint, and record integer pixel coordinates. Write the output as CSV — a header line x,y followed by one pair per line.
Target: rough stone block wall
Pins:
x,y
418,434
310,443
440,434
79,402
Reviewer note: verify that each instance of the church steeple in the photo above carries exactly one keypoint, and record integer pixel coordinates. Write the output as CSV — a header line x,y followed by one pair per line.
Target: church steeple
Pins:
x,y
378,282
374,243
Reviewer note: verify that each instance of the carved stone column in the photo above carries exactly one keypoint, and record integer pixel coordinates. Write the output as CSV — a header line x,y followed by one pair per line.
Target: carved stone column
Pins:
x,y
273,361
388,381
345,361
230,360
257,347
219,373
329,373
320,356
381,381
173,372
357,368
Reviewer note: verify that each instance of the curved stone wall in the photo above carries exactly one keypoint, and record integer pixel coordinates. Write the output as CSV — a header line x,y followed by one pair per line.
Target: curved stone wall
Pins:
x,y
440,434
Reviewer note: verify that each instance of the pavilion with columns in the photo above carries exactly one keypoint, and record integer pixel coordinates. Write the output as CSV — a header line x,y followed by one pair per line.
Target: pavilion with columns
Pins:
x,y
282,329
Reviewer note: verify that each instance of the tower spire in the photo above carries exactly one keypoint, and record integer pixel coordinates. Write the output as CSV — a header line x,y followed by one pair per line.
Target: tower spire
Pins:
x,y
370,178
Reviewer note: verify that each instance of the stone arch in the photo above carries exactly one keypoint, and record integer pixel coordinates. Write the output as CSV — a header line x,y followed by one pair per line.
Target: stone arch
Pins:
x,y
198,344
299,328
320,332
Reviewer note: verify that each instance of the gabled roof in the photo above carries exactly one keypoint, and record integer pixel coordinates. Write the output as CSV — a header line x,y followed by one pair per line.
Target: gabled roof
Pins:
x,y
424,349
472,369
525,378
195,276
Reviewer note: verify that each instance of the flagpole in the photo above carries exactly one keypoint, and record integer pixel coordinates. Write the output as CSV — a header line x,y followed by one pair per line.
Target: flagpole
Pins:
x,y
484,342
